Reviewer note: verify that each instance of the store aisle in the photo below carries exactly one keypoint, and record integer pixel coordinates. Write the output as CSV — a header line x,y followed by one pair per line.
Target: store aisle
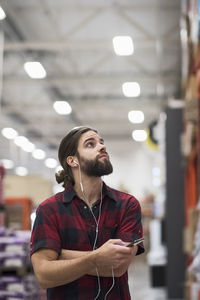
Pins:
x,y
139,282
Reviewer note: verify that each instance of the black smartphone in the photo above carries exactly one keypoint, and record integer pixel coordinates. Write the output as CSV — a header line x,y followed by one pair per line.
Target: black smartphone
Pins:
x,y
135,242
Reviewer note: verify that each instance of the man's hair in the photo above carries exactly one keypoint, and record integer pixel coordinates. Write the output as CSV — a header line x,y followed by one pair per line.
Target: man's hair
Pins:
x,y
68,147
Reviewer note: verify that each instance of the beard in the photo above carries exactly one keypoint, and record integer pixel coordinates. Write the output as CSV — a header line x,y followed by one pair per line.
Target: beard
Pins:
x,y
95,168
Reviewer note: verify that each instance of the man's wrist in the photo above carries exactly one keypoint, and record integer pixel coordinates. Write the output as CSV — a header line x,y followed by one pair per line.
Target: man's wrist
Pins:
x,y
92,258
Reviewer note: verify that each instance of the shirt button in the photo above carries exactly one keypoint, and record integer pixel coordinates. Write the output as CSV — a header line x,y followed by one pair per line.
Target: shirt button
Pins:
x,y
85,206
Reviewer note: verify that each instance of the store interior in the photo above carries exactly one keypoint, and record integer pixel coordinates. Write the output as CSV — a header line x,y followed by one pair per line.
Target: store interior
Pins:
x,y
129,69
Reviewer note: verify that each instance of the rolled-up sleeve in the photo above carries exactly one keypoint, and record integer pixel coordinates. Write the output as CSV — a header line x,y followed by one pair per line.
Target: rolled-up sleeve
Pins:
x,y
45,232
131,224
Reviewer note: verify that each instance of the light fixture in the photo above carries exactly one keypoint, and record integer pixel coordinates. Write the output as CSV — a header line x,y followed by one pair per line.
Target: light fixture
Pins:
x,y
24,143
38,154
35,69
21,141
21,171
131,89
28,147
123,45
2,14
62,107
139,135
51,163
136,116
9,133
7,163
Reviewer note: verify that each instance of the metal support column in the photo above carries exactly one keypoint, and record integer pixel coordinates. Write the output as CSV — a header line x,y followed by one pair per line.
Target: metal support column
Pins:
x,y
175,214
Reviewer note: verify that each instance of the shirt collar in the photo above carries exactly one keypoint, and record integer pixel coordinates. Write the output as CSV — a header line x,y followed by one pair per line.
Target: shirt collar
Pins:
x,y
69,193
107,191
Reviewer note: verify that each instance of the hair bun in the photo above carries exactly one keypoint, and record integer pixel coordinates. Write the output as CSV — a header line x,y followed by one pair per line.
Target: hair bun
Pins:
x,y
60,176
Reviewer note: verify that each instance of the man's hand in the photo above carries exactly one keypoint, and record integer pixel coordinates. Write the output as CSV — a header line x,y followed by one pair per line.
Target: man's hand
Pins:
x,y
114,254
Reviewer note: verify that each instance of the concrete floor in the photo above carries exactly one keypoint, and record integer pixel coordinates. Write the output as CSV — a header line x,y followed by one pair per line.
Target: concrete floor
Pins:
x,y
139,282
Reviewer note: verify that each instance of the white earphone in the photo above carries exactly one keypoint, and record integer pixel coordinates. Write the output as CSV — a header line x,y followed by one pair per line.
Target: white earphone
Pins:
x,y
96,236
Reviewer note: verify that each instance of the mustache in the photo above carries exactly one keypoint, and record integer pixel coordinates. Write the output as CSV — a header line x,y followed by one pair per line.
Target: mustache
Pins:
x,y
102,152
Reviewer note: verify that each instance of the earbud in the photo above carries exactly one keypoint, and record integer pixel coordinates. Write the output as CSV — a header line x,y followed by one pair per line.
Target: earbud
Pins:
x,y
76,162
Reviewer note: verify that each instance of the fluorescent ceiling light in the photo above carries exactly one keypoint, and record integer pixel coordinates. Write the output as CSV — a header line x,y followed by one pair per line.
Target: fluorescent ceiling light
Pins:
x,y
62,107
123,45
24,143
38,154
9,133
21,171
21,141
51,163
28,147
139,135
7,163
35,69
131,89
136,116
2,14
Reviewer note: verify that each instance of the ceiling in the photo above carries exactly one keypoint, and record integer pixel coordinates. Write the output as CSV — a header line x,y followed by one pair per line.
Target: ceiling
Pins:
x,y
73,41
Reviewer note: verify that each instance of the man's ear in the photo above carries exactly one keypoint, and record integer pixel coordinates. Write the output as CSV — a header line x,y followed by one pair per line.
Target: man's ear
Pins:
x,y
70,161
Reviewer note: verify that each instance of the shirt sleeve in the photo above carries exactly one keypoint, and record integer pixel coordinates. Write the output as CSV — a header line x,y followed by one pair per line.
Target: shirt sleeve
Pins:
x,y
45,232
131,224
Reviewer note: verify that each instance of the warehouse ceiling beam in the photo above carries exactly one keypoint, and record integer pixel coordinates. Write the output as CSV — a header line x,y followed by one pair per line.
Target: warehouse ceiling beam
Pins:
x,y
81,24
86,44
137,5
121,12
111,77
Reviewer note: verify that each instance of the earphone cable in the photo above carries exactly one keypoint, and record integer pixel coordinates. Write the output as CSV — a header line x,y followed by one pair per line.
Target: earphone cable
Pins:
x,y
99,285
113,283
96,236
97,221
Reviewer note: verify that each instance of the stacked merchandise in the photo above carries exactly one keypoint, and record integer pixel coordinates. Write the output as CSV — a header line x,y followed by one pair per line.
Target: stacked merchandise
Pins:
x,y
16,279
191,144
2,207
13,287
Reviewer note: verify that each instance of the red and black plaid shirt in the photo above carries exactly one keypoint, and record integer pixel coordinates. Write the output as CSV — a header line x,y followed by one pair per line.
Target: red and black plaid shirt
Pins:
x,y
64,221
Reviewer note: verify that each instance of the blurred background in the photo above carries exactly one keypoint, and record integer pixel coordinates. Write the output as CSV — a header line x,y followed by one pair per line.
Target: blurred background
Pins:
x,y
129,69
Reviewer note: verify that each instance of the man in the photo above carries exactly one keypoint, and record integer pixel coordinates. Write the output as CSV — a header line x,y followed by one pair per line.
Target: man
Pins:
x,y
79,239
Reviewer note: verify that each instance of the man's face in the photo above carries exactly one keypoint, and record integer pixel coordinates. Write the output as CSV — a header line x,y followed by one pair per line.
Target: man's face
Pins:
x,y
92,155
